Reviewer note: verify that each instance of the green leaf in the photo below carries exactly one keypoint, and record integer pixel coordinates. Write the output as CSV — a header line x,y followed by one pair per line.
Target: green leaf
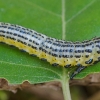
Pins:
x,y
17,66
82,22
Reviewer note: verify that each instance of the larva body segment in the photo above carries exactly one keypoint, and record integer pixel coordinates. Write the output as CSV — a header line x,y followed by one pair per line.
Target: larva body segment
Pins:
x,y
56,52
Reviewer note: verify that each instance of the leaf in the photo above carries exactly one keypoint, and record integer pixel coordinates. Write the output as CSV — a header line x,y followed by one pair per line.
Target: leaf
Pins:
x,y
84,25
81,22
16,66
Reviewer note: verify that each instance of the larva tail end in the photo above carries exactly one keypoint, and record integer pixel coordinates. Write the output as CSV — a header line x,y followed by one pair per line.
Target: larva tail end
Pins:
x,y
78,70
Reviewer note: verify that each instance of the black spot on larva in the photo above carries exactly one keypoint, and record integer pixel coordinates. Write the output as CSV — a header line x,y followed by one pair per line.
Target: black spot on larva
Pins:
x,y
55,55
15,34
79,51
82,51
16,29
12,38
25,43
2,31
23,28
55,64
9,27
59,56
4,26
47,47
89,61
77,56
29,45
7,37
86,56
19,36
37,44
3,35
66,50
88,50
71,50
34,47
72,46
30,40
10,33
12,28
21,42
42,36
71,56
12,25
31,31
76,51
50,47
33,41
28,33
91,43
49,53
87,44
40,48
96,41
49,42
98,52
63,50
21,31
98,46
44,50
67,56
63,56
77,45
67,66
60,50
32,35
18,40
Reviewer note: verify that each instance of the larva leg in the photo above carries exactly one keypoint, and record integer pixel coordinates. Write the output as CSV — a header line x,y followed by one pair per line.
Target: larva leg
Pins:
x,y
55,64
78,70
43,59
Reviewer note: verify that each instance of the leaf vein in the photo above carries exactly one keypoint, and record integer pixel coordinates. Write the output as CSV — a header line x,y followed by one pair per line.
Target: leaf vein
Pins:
x,y
43,9
82,10
32,67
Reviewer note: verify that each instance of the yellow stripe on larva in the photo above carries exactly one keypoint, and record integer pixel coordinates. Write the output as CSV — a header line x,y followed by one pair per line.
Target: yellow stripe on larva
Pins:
x,y
18,44
56,52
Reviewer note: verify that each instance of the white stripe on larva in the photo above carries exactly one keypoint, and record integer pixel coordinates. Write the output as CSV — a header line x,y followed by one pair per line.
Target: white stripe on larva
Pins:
x,y
56,52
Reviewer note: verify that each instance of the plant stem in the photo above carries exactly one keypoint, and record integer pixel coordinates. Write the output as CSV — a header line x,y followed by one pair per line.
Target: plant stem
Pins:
x,y
65,87
65,79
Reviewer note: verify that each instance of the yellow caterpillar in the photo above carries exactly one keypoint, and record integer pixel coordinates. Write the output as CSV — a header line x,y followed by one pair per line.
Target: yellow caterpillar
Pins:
x,y
56,52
